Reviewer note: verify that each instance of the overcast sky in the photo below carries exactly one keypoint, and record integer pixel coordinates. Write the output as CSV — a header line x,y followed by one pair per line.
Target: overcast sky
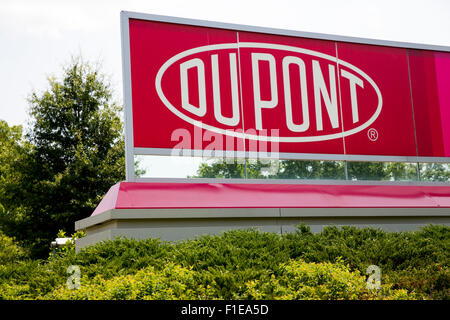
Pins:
x,y
38,37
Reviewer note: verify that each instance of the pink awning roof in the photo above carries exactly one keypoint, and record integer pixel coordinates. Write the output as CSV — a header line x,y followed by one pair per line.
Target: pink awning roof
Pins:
x,y
178,195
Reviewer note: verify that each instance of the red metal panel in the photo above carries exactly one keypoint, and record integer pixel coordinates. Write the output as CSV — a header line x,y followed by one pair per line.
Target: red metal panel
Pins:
x,y
442,62
388,68
109,200
152,44
230,195
430,83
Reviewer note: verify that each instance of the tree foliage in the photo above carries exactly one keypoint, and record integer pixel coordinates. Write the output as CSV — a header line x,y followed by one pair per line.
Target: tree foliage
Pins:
x,y
15,154
74,154
233,169
435,172
315,169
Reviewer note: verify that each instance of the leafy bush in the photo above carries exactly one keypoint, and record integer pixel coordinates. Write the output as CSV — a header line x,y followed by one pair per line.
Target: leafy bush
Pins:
x,y
172,282
299,280
319,281
70,244
9,251
246,264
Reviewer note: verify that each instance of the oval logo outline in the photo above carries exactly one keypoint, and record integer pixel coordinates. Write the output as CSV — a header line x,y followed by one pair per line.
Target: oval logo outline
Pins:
x,y
244,135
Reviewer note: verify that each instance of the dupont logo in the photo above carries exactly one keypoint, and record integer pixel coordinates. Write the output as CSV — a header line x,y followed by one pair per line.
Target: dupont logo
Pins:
x,y
307,95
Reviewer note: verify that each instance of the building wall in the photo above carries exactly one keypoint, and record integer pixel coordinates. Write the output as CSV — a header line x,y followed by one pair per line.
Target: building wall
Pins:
x,y
181,224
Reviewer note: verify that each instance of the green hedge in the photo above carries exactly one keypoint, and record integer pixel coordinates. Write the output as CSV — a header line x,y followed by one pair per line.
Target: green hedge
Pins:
x,y
245,264
298,280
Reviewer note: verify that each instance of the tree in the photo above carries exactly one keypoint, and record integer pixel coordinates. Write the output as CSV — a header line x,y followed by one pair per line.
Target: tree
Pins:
x,y
77,153
435,172
308,169
367,171
232,169
282,169
14,156
402,171
336,170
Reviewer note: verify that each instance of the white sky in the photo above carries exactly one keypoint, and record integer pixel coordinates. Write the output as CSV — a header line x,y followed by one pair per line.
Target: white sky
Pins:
x,y
38,37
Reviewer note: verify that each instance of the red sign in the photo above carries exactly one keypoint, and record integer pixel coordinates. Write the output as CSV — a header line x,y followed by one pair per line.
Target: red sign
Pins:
x,y
207,88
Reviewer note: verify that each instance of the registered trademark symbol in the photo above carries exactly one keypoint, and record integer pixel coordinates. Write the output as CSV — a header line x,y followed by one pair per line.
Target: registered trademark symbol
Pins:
x,y
372,134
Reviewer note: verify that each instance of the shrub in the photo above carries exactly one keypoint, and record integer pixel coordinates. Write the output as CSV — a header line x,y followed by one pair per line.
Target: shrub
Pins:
x,y
319,281
69,247
229,265
298,280
172,282
9,251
